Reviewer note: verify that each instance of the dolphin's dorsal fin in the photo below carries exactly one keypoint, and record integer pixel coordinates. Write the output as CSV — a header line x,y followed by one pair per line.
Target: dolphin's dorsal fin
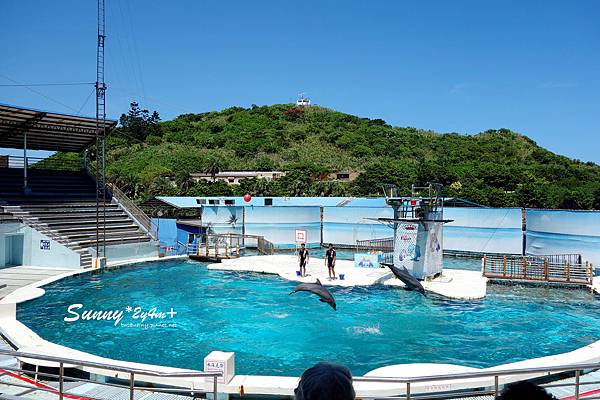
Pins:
x,y
318,282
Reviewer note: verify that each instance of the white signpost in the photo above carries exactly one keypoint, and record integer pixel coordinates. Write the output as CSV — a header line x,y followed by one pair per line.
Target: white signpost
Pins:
x,y
301,236
220,361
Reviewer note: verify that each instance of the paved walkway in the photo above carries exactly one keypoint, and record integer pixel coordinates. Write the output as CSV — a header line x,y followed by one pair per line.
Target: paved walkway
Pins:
x,y
25,387
17,277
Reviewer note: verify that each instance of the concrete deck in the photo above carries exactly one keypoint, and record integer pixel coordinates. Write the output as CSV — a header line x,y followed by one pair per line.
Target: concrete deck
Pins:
x,y
287,265
596,284
18,277
454,283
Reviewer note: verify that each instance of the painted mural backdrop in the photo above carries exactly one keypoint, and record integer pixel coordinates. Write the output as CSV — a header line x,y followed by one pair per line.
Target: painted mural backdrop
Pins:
x,y
491,230
484,230
346,225
279,224
561,231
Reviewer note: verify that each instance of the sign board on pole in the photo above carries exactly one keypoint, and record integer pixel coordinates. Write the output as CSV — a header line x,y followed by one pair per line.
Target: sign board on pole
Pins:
x,y
220,361
301,236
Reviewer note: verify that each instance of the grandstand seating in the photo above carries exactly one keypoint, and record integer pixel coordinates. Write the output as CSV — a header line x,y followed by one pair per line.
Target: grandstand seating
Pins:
x,y
62,205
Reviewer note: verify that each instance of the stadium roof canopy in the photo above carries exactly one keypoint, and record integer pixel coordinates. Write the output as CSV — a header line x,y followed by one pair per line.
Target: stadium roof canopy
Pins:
x,y
46,130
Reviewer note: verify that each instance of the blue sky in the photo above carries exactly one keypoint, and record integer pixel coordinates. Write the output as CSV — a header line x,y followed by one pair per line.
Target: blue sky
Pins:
x,y
449,66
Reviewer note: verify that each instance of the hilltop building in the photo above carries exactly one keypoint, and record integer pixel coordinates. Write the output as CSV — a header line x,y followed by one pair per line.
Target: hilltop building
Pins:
x,y
234,177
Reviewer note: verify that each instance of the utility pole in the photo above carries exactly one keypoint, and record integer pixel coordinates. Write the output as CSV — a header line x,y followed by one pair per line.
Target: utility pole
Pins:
x,y
100,133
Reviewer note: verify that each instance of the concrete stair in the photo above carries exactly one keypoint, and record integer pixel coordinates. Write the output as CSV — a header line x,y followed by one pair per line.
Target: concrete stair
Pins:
x,y
62,206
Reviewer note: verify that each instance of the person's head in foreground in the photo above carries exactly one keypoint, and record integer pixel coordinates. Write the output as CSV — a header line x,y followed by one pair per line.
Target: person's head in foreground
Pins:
x,y
524,391
325,381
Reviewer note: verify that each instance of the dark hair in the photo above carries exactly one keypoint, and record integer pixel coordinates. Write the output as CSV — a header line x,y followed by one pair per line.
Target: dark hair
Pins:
x,y
524,390
325,381
330,245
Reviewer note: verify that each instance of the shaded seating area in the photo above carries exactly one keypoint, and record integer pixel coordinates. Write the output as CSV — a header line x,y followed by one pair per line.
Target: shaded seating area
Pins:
x,y
59,197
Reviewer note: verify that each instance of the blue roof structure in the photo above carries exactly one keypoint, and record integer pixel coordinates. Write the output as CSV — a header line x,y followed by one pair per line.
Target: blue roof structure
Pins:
x,y
198,202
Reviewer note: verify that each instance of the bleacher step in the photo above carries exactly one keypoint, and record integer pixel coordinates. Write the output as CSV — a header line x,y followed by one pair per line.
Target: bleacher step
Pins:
x,y
63,206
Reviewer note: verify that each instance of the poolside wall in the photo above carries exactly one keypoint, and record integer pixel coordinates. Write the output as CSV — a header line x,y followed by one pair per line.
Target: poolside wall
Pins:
x,y
131,251
21,245
564,231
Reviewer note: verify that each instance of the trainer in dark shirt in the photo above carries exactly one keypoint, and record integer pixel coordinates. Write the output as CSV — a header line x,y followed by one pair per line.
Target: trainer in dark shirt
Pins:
x,y
303,259
330,258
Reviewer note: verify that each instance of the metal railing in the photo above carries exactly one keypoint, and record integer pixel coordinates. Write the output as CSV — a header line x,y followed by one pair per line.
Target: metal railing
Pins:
x,y
49,163
264,246
383,244
227,245
475,384
217,245
133,210
131,373
559,268
448,386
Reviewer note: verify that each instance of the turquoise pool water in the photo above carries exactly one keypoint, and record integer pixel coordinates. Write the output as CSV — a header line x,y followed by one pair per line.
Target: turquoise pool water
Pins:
x,y
274,333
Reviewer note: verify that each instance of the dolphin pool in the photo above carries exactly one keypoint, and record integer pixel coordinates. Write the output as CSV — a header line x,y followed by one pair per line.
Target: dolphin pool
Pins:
x,y
197,310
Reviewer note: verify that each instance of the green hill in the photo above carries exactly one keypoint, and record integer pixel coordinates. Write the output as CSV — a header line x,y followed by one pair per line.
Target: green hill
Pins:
x,y
495,167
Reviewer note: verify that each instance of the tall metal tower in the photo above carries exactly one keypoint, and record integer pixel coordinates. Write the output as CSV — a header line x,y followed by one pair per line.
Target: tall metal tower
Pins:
x,y
100,134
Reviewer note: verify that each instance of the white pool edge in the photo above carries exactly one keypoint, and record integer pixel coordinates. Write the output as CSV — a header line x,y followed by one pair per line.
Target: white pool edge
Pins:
x,y
24,339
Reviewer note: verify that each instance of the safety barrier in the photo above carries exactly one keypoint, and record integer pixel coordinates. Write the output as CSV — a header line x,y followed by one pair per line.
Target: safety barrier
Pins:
x,y
108,369
558,268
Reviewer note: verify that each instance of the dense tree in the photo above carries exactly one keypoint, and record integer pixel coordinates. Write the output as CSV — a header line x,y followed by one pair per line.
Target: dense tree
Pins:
x,y
213,166
140,124
495,167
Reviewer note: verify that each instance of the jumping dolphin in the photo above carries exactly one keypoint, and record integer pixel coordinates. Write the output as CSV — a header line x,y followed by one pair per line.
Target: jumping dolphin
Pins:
x,y
410,281
318,289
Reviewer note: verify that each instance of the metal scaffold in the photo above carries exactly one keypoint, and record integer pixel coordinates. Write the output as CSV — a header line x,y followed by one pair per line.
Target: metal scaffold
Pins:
x,y
100,135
